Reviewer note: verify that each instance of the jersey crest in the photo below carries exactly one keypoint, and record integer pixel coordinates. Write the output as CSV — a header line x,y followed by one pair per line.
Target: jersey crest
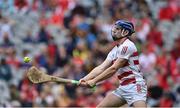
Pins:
x,y
124,50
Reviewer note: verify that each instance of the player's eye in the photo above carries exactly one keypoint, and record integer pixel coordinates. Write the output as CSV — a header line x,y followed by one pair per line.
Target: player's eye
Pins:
x,y
116,28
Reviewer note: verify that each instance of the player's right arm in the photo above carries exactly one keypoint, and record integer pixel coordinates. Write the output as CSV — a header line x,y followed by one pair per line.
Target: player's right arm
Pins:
x,y
97,70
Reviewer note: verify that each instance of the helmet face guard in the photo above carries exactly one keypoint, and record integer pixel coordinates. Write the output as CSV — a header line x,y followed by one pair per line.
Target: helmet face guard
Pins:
x,y
119,27
116,32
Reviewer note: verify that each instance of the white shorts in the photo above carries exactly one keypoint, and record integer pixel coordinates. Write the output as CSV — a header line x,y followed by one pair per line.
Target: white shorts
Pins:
x,y
132,92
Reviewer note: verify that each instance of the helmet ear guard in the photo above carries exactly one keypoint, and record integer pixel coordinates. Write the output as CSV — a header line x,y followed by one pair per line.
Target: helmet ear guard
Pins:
x,y
123,31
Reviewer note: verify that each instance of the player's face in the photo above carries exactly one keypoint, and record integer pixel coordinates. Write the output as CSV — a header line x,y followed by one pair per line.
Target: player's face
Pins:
x,y
116,31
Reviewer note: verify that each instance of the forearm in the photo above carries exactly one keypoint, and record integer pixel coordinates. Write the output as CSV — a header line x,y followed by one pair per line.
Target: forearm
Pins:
x,y
95,72
106,74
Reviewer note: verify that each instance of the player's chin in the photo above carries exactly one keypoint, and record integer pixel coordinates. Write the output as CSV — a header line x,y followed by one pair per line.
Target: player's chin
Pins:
x,y
115,35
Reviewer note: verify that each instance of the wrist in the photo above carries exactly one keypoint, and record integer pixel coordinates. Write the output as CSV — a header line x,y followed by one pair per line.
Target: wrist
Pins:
x,y
95,81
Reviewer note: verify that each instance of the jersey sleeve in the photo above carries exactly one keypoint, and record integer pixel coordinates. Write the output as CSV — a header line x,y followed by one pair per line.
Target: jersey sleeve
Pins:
x,y
126,51
110,55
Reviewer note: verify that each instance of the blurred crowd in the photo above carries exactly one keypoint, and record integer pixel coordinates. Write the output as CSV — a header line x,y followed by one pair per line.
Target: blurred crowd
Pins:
x,y
68,38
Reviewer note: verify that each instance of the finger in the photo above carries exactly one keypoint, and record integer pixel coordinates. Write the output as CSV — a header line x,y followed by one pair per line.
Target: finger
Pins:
x,y
82,80
91,85
84,84
79,83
